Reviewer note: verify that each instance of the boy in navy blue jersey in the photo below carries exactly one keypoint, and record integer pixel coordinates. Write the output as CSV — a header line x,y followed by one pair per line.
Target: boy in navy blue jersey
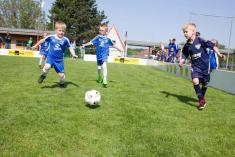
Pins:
x,y
55,57
197,49
102,43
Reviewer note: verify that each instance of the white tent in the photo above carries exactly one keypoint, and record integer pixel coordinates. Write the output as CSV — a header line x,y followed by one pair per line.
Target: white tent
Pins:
x,y
114,36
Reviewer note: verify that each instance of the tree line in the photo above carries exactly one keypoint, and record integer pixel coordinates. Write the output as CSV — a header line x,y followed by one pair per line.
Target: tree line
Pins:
x,y
81,16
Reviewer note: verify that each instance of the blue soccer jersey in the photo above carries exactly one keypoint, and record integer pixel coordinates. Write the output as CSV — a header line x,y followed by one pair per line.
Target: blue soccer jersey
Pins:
x,y
213,59
199,53
102,44
44,48
57,47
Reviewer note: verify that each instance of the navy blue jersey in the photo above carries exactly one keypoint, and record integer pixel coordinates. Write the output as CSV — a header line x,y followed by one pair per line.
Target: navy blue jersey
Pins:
x,y
102,44
199,53
57,47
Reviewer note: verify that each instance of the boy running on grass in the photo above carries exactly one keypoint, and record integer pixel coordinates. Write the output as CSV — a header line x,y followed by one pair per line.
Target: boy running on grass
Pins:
x,y
55,58
102,43
44,47
197,49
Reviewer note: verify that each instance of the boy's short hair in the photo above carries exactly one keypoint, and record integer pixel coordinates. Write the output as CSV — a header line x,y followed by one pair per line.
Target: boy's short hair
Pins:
x,y
104,26
60,24
214,41
190,25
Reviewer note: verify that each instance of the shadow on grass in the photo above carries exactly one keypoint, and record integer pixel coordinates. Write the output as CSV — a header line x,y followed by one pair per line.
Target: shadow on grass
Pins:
x,y
92,80
185,99
57,85
92,106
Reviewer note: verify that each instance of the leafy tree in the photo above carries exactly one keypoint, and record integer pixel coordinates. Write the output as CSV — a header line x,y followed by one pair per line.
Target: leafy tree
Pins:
x,y
82,18
20,14
221,46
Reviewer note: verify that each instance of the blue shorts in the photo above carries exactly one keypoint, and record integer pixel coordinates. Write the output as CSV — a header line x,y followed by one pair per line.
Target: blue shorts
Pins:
x,y
100,62
58,65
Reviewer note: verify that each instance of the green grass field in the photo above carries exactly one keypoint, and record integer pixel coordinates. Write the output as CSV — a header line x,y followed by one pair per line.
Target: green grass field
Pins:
x,y
143,113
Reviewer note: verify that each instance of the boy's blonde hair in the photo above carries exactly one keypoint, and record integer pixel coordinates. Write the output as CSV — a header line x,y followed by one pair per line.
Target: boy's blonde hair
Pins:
x,y
60,24
104,26
190,25
214,41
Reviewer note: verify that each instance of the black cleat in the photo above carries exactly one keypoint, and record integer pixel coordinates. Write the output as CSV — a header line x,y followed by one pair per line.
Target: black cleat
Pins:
x,y
41,78
62,85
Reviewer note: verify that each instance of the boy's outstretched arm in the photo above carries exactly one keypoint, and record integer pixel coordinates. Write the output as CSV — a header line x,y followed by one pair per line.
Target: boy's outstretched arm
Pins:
x,y
183,56
72,52
86,44
216,49
38,43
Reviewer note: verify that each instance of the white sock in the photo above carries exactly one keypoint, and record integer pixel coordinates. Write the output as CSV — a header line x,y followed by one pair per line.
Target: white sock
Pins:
x,y
105,70
99,70
40,61
44,71
62,79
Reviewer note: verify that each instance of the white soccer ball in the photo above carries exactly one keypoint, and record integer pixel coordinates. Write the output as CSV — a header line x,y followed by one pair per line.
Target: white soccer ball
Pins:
x,y
92,97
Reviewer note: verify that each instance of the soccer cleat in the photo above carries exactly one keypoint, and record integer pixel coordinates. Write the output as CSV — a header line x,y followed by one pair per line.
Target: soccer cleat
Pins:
x,y
61,85
105,83
99,79
41,78
40,66
202,103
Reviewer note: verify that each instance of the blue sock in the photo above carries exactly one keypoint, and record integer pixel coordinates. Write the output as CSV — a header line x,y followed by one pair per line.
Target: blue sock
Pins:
x,y
198,91
203,89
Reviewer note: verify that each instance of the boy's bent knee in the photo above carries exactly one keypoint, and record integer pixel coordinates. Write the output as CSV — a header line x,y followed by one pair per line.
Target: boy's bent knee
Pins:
x,y
195,81
47,66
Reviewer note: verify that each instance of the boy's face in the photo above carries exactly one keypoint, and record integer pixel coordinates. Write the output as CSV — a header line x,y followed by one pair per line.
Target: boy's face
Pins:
x,y
189,32
102,31
60,32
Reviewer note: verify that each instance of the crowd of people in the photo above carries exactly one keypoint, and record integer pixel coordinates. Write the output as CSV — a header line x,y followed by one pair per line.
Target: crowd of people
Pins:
x,y
167,54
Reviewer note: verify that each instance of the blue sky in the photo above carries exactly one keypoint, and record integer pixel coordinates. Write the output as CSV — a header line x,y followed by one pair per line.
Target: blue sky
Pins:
x,y
159,20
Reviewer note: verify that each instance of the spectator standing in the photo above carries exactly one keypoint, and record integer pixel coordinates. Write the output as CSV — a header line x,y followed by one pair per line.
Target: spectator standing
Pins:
x,y
30,43
172,50
8,41
1,41
73,45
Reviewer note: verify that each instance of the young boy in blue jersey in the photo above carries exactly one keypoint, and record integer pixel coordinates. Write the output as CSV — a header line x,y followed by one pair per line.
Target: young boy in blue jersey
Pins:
x,y
55,57
44,47
102,43
214,61
197,49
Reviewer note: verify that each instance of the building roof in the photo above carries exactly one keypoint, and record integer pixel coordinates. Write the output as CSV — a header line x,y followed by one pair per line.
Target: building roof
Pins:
x,y
114,35
142,43
19,31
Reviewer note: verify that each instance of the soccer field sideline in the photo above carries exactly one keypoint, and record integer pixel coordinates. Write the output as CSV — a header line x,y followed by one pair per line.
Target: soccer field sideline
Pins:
x,y
143,112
